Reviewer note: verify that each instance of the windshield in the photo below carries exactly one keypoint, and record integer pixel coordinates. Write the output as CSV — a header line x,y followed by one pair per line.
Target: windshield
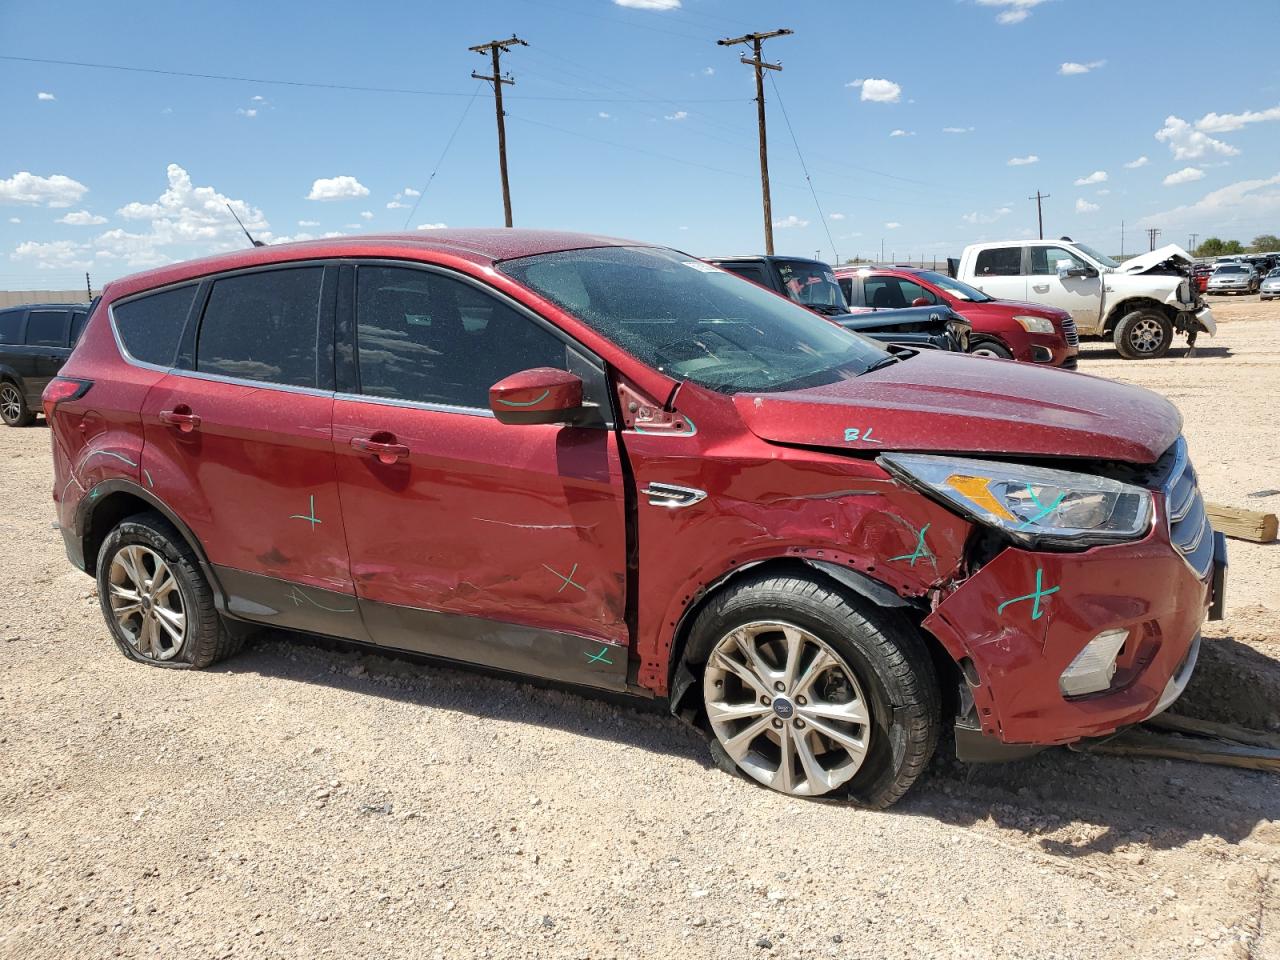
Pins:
x,y
1102,258
812,284
1230,268
957,289
693,321
1274,273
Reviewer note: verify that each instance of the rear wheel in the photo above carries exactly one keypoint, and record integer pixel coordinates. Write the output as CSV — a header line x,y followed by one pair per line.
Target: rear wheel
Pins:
x,y
156,601
809,694
991,348
13,406
1144,334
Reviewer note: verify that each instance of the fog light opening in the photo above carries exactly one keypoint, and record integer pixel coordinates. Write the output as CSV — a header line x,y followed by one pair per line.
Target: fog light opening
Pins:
x,y
1094,667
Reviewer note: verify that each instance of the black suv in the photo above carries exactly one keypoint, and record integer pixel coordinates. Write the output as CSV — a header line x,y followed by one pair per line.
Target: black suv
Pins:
x,y
35,341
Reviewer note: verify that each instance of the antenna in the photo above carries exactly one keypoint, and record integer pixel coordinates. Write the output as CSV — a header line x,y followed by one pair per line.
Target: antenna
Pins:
x,y
256,243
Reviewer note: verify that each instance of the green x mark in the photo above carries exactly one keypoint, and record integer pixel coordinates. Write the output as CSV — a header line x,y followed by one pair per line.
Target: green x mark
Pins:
x,y
310,517
1044,511
922,551
600,657
1034,597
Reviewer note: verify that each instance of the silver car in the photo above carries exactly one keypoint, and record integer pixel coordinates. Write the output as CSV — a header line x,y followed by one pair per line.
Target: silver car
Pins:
x,y
1233,278
1270,288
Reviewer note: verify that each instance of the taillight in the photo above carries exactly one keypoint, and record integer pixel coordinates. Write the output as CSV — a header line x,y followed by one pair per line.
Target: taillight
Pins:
x,y
63,388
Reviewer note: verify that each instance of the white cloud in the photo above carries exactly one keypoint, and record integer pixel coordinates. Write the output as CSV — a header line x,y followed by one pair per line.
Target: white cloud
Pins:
x,y
409,192
1247,201
708,71
1185,175
1098,176
892,225
902,133
81,218
1226,122
790,221
1023,161
975,217
56,191
1014,11
366,214
957,129
604,116
836,216
649,4
337,188
56,255
258,99
42,95
678,115
397,205
878,90
353,226
1073,69
1187,143
1103,193
15,219
1142,161
308,223
433,226
251,112
1084,206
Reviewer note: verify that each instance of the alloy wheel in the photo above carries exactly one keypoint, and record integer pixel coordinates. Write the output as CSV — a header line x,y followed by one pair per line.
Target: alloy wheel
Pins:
x,y
985,352
10,402
147,602
786,708
1146,336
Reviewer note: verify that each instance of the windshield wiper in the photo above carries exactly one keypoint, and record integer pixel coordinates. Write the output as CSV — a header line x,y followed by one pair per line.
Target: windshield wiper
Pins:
x,y
884,362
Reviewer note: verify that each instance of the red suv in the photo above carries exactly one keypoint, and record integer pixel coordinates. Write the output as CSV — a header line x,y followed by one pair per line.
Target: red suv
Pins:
x,y
616,466
1007,329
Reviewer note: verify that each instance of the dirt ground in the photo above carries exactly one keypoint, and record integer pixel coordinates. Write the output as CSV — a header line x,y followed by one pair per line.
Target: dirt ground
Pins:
x,y
304,801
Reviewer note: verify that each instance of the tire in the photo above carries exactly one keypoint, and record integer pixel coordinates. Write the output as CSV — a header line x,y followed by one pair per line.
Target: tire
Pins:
x,y
144,630
991,348
879,676
1144,334
13,406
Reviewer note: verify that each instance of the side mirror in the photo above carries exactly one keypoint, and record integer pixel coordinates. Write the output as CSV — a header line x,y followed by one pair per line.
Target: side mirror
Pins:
x,y
1065,270
539,395
922,302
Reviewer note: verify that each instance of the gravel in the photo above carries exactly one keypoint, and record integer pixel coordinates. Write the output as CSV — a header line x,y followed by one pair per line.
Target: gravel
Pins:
x,y
310,801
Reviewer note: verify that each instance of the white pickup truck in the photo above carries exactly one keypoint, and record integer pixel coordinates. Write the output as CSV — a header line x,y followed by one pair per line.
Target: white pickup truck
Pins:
x,y
1140,302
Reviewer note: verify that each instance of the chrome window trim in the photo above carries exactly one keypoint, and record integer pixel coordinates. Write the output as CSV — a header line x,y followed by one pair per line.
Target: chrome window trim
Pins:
x,y
417,405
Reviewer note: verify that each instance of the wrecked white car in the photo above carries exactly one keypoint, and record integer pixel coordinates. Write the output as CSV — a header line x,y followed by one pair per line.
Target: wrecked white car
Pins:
x,y
1141,303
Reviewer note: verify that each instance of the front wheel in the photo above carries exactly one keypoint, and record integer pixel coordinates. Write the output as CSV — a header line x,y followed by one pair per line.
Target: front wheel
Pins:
x,y
13,406
1144,334
808,693
991,348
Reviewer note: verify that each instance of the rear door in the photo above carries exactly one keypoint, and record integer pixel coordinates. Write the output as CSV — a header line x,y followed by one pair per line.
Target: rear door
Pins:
x,y
239,444
45,347
1079,296
998,272
470,539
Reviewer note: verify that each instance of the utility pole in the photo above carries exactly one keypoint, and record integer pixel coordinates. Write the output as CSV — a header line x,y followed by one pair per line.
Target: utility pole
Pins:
x,y
1192,246
495,49
1152,233
758,62
1039,211
1121,239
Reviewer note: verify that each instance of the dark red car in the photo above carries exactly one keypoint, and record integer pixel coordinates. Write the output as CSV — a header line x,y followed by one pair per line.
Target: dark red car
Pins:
x,y
1007,329
616,466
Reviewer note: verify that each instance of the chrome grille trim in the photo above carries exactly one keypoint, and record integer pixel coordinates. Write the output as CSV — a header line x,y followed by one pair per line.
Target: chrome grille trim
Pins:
x,y
1070,332
1190,531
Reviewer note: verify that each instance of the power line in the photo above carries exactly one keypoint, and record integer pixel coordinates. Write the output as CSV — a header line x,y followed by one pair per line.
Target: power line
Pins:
x,y
443,153
835,257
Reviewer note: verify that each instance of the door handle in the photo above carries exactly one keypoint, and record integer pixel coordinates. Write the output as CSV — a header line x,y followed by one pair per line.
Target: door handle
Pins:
x,y
385,451
1040,287
180,417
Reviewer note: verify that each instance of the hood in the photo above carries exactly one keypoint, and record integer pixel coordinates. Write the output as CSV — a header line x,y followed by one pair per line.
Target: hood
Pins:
x,y
951,403
1011,307
895,321
1155,258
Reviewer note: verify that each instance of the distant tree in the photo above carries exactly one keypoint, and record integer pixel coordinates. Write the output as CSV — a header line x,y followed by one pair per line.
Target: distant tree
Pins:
x,y
1265,243
1215,247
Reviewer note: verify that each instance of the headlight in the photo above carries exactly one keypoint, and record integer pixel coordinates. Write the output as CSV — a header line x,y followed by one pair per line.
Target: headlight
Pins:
x,y
1033,506
1035,324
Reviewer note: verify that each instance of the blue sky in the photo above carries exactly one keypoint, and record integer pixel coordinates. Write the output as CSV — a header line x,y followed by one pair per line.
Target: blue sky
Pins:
x,y
628,119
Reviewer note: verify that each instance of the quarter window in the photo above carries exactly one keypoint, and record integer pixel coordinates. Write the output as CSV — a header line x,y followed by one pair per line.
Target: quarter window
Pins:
x,y
151,326
47,328
78,317
263,326
10,325
1045,260
429,338
1000,262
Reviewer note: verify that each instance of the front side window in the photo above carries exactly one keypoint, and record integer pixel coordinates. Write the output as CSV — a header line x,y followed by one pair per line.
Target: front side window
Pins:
x,y
151,326
1000,262
1045,261
696,322
263,326
812,284
430,338
894,293
47,328
961,291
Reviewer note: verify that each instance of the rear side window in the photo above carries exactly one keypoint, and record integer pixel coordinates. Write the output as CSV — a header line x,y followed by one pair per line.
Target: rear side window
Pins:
x,y
78,318
263,326
47,328
10,325
750,271
1000,262
151,326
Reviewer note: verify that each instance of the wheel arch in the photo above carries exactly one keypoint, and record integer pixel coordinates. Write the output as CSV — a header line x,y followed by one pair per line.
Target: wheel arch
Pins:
x,y
681,678
1130,304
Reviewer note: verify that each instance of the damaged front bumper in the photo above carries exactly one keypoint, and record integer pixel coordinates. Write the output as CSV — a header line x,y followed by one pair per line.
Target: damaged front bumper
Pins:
x,y
1022,620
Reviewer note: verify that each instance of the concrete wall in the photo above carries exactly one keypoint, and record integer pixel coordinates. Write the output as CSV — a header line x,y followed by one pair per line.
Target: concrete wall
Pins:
x,y
16,298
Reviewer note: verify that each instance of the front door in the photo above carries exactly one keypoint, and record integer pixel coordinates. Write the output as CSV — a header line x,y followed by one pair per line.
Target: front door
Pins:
x,y
470,539
240,446
1079,296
